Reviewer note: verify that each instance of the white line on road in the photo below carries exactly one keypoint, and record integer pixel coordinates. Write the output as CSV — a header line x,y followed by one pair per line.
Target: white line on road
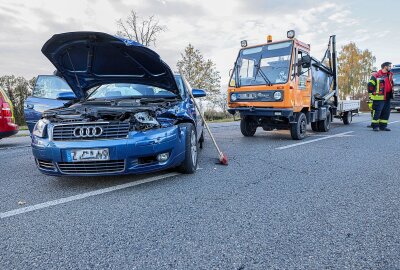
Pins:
x,y
315,140
83,195
393,122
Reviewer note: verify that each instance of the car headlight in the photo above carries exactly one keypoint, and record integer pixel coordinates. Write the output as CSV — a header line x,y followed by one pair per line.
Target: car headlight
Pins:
x,y
278,95
233,97
40,128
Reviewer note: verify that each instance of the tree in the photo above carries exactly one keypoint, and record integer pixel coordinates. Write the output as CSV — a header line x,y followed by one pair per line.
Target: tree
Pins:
x,y
354,70
144,31
200,73
18,89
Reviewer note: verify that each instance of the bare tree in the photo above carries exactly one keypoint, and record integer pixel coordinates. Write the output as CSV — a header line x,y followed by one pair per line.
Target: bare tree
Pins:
x,y
144,31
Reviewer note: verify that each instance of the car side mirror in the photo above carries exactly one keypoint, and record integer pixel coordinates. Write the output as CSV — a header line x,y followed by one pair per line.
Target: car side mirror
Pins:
x,y
198,93
66,96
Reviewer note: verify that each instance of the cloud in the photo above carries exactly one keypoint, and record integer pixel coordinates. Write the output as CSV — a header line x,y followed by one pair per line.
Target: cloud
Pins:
x,y
213,27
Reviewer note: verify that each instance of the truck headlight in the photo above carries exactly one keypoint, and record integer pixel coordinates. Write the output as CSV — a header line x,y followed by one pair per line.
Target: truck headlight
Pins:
x,y
233,97
40,128
278,95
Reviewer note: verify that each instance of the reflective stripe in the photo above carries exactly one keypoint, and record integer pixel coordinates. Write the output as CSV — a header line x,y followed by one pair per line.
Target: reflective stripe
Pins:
x,y
372,82
375,121
384,121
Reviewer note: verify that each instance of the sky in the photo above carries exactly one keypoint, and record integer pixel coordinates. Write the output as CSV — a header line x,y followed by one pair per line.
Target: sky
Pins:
x,y
214,27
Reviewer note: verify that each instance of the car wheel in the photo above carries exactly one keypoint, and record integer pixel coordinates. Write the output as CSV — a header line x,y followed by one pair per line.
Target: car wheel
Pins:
x,y
248,126
298,130
189,165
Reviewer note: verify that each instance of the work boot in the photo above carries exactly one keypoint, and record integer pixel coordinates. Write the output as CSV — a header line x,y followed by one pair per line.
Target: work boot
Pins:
x,y
376,129
385,129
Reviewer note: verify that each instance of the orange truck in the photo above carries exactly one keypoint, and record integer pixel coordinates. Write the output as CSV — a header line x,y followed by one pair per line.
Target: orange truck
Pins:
x,y
278,85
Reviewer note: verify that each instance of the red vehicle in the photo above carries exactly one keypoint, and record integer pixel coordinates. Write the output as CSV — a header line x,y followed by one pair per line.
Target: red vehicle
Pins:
x,y
7,121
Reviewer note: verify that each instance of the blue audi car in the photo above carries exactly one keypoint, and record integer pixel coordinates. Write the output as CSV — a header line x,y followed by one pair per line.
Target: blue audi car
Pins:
x,y
112,107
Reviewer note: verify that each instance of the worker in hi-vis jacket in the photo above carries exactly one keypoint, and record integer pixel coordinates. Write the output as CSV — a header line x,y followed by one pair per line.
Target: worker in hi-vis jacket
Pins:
x,y
380,90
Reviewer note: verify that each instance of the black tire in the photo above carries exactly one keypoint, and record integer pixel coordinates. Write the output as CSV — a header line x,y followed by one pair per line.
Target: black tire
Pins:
x,y
325,125
298,130
347,118
248,126
314,126
189,165
201,139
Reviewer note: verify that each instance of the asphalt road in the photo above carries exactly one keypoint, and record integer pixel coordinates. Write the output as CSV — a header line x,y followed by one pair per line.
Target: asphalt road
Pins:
x,y
330,202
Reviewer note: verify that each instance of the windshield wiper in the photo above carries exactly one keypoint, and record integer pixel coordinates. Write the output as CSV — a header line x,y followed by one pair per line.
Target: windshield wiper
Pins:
x,y
259,70
158,100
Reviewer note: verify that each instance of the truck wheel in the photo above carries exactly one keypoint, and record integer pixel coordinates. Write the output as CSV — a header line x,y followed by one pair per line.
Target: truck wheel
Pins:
x,y
298,130
314,126
248,126
325,125
189,165
347,118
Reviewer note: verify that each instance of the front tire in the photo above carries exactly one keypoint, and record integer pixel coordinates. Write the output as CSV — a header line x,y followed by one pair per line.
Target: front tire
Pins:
x,y
298,130
248,126
189,165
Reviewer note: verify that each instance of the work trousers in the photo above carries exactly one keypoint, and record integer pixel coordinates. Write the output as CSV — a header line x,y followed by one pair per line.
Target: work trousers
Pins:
x,y
380,113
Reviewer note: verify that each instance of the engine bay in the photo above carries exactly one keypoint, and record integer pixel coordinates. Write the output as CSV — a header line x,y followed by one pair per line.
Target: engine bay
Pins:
x,y
141,117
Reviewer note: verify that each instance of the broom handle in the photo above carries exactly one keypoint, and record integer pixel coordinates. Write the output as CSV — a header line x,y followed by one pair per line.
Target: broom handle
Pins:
x,y
205,123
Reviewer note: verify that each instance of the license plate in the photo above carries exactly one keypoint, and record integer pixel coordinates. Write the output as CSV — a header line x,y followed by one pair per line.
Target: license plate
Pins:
x,y
88,155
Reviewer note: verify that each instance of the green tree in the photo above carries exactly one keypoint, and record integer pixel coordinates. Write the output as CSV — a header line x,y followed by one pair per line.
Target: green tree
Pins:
x,y
144,31
18,89
201,73
354,70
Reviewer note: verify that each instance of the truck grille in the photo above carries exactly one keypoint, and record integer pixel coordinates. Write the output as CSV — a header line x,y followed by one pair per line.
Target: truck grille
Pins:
x,y
396,95
92,167
110,130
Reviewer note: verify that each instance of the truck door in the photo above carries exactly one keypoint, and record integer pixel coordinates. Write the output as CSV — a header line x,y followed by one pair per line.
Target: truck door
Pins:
x,y
303,83
49,92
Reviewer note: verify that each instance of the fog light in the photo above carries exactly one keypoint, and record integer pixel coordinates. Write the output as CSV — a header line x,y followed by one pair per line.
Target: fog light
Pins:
x,y
162,157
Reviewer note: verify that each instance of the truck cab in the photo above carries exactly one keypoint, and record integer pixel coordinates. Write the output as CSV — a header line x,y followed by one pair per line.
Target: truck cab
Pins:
x,y
395,102
278,85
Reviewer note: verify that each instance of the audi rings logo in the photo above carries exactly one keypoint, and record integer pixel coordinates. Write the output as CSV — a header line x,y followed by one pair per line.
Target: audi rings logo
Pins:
x,y
88,132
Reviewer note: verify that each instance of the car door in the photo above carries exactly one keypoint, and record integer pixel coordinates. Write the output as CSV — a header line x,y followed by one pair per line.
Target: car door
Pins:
x,y
49,92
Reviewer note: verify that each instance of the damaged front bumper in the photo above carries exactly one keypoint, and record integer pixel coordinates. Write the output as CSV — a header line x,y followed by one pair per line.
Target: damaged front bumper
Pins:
x,y
132,155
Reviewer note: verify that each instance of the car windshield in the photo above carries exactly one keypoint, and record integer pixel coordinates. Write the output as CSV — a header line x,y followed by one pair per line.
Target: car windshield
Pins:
x,y
131,90
396,78
267,64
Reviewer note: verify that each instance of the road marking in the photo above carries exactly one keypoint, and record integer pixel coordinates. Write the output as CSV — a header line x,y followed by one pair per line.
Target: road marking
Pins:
x,y
15,147
83,195
315,140
393,122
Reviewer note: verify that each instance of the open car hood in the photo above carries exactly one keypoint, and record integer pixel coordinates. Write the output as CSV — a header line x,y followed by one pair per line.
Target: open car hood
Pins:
x,y
89,59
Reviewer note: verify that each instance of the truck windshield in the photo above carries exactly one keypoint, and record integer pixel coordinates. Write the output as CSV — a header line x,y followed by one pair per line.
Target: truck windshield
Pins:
x,y
396,78
267,64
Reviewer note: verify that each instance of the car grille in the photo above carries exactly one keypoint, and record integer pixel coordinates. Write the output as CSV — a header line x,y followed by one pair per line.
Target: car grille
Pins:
x,y
45,165
111,130
92,167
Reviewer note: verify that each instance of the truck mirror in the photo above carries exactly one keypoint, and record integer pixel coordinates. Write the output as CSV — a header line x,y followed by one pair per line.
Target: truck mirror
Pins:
x,y
305,61
230,72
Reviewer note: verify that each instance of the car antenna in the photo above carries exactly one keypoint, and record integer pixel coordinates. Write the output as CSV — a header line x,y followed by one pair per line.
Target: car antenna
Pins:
x,y
73,68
